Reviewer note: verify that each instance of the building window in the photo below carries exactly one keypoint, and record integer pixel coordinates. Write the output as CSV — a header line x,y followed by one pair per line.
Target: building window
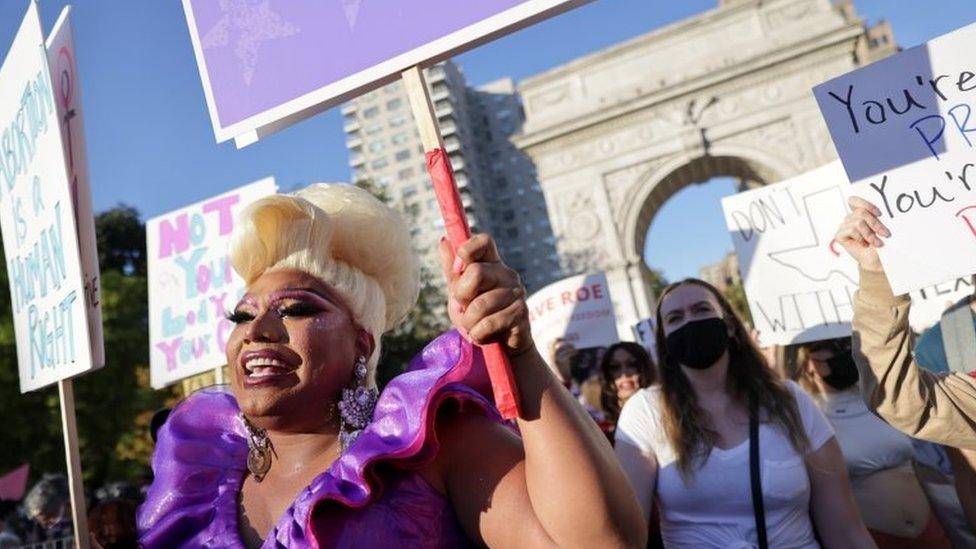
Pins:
x,y
512,232
394,104
408,191
371,112
377,146
379,164
373,129
398,121
399,138
405,173
402,155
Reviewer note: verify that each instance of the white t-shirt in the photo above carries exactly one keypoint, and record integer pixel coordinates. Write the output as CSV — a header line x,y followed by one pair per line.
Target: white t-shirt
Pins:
x,y
715,508
869,444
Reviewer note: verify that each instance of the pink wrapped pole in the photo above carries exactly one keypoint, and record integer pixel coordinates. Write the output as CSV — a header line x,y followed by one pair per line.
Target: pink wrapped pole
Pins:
x,y
458,232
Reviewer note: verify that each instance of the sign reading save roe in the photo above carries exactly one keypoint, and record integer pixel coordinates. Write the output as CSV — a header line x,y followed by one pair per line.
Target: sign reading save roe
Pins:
x,y
192,284
905,128
577,309
37,219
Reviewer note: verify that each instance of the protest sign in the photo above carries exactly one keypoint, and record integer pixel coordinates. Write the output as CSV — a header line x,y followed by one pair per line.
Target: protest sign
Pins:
x,y
67,91
38,221
903,127
644,333
192,284
930,302
577,309
799,284
266,65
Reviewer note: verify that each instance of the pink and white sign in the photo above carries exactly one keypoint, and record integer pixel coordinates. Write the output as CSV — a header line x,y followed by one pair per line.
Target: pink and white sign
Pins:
x,y
192,284
577,309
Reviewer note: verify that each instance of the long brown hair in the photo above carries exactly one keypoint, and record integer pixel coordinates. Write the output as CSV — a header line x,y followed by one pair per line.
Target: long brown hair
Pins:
x,y
749,379
645,374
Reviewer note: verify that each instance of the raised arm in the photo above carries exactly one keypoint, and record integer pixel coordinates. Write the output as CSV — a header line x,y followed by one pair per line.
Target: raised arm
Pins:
x,y
913,400
561,484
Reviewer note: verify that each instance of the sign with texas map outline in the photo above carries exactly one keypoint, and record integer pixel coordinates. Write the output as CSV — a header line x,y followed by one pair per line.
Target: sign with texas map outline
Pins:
x,y
799,284
266,64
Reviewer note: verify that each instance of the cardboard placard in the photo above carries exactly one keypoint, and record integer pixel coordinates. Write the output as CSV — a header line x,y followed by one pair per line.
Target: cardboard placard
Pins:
x,y
37,219
192,284
577,309
67,91
799,284
267,65
905,128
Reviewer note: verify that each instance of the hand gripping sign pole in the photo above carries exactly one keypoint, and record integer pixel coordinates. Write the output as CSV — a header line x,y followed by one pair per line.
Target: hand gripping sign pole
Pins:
x,y
456,224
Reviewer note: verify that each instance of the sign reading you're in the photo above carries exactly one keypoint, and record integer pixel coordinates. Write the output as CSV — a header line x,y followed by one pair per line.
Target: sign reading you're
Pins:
x,y
905,128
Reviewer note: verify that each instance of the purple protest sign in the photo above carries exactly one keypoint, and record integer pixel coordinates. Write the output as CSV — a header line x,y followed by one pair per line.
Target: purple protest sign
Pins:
x,y
266,64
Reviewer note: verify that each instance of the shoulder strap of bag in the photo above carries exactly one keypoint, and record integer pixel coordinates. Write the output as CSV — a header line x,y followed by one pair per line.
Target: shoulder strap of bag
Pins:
x,y
959,337
754,476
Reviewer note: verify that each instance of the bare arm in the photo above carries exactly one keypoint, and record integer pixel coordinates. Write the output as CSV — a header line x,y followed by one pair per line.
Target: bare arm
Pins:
x,y
832,504
569,481
913,400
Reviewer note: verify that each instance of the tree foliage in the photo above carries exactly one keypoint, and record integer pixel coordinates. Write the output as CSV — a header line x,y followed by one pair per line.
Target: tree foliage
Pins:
x,y
426,320
113,404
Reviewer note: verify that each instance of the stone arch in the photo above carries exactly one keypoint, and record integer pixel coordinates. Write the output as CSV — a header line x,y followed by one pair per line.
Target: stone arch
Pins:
x,y
658,184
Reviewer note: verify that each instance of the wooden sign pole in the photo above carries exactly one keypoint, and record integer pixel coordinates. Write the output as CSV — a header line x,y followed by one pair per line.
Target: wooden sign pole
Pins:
x,y
76,487
455,223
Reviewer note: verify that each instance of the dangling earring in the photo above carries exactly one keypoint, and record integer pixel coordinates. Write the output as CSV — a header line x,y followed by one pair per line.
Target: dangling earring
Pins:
x,y
356,406
258,450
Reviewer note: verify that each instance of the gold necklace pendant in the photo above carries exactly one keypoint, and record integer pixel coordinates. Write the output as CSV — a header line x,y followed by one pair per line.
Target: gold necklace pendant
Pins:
x,y
258,462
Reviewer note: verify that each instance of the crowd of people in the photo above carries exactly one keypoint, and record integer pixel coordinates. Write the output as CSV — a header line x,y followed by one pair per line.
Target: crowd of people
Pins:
x,y
711,443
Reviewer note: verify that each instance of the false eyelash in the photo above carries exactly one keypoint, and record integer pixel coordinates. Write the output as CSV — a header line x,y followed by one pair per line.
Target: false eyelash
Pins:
x,y
299,310
238,317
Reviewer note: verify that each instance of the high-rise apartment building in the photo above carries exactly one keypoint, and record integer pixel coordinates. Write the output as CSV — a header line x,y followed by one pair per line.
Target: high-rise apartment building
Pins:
x,y
496,181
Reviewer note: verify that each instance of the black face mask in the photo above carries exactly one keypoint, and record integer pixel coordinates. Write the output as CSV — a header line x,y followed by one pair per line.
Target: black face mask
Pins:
x,y
843,372
698,344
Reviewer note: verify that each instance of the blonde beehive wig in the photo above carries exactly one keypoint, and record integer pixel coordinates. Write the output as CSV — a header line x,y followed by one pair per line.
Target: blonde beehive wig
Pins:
x,y
342,235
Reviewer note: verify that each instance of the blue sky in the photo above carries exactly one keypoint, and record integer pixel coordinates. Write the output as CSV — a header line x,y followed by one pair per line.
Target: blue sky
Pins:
x,y
150,142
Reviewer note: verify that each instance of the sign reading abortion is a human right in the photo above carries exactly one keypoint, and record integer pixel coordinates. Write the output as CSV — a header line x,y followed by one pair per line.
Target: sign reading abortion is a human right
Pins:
x,y
905,128
192,284
37,219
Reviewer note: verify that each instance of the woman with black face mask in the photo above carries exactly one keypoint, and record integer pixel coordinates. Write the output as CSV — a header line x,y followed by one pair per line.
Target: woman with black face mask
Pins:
x,y
878,457
733,456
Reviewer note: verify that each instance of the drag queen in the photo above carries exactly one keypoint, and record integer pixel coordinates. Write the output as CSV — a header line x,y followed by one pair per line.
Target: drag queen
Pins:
x,y
303,452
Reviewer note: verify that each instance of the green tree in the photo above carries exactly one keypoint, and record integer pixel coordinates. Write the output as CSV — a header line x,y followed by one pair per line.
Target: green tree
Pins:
x,y
426,320
113,404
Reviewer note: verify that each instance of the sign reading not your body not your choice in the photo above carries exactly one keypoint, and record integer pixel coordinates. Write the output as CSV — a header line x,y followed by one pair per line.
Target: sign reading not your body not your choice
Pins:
x,y
192,284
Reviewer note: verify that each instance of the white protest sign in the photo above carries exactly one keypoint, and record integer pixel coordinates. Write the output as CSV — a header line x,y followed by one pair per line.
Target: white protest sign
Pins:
x,y
67,92
930,302
905,128
644,333
37,219
192,284
577,309
799,285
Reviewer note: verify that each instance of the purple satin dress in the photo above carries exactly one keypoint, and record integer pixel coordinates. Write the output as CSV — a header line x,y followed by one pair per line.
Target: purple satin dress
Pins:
x,y
199,466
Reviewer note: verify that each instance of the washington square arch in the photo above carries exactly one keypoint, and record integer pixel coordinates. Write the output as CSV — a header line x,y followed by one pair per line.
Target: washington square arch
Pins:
x,y
614,134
